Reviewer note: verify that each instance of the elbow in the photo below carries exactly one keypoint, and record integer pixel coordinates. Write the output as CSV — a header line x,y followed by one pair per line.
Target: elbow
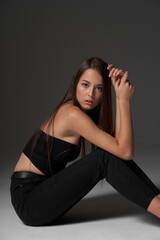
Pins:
x,y
128,156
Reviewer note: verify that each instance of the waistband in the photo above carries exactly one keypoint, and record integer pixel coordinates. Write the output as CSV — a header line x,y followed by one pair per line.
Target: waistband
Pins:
x,y
26,174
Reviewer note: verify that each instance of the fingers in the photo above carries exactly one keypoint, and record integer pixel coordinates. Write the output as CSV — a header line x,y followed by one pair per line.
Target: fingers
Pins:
x,y
110,66
120,72
130,86
111,72
117,83
124,77
115,72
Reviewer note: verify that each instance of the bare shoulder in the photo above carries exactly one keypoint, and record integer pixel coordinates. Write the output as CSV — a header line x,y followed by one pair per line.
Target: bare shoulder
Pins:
x,y
67,114
73,115
63,121
67,110
74,112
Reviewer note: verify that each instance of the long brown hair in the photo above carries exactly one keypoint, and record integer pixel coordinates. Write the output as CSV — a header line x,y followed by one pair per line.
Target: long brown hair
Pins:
x,y
102,114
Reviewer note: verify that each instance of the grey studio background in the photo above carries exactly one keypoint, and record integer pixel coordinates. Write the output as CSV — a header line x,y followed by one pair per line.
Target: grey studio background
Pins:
x,y
42,43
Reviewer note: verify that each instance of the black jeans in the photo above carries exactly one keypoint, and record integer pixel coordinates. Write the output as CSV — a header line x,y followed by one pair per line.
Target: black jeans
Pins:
x,y
40,200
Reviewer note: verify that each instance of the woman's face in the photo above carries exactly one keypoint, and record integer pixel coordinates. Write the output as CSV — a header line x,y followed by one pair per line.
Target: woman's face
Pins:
x,y
89,89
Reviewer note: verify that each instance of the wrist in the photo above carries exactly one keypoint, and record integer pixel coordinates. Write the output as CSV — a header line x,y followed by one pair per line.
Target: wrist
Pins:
x,y
123,100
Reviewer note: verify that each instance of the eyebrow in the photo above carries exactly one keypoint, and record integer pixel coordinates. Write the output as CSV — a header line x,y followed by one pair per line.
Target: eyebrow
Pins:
x,y
89,82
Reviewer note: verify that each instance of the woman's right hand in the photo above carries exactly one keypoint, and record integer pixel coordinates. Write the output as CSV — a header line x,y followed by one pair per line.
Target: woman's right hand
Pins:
x,y
123,89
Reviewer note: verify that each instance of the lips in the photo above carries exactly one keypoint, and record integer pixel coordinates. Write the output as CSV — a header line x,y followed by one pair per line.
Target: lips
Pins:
x,y
89,101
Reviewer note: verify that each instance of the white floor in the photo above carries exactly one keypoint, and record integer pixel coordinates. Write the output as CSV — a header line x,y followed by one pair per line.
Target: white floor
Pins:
x,y
102,214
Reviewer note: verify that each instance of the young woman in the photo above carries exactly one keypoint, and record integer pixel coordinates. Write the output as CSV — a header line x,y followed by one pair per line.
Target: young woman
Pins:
x,y
43,188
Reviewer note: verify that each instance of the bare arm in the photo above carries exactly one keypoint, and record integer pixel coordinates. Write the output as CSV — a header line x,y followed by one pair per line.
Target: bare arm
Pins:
x,y
126,134
111,69
117,119
126,119
123,119
83,125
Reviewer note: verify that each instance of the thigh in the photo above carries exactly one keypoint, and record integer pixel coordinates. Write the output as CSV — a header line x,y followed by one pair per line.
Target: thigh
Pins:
x,y
57,194
129,180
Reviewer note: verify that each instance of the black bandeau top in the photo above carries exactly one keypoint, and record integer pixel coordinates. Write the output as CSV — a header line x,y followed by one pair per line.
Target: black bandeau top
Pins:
x,y
61,153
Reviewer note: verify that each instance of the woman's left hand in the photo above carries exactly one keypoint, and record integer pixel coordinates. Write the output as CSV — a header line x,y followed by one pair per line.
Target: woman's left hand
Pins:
x,y
114,73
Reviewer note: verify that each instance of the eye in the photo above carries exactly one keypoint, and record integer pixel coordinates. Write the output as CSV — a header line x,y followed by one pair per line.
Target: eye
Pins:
x,y
85,84
99,88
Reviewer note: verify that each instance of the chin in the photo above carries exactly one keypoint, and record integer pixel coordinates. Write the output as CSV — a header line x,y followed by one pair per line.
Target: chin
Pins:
x,y
86,109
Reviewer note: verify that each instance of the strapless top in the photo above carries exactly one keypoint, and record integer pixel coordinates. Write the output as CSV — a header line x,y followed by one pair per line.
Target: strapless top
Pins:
x,y
61,153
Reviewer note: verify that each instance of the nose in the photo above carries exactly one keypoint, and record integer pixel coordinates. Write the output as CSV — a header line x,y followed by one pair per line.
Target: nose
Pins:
x,y
91,92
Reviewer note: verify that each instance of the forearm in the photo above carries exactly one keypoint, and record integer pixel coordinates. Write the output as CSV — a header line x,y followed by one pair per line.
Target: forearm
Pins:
x,y
117,120
126,135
